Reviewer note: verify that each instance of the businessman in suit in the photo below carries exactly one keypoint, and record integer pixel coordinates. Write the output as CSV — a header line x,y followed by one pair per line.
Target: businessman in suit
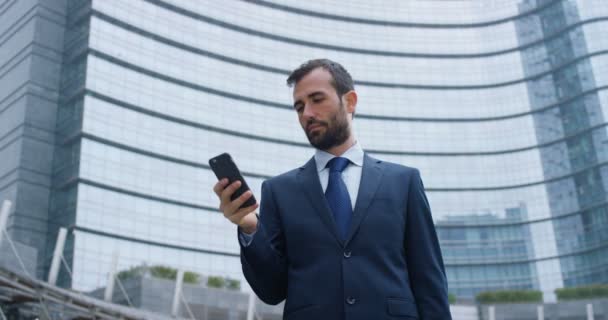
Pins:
x,y
346,236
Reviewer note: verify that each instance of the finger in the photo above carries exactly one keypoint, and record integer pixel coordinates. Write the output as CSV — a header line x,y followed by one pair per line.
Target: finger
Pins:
x,y
219,186
242,213
228,191
238,202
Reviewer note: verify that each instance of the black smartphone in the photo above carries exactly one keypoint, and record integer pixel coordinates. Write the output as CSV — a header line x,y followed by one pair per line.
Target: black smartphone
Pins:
x,y
224,167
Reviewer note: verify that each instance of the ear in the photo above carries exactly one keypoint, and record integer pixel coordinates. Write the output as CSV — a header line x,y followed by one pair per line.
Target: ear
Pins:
x,y
349,100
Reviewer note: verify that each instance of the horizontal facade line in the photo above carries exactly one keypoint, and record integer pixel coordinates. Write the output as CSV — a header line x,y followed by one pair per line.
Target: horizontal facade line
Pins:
x,y
391,23
19,23
494,118
161,156
20,227
390,85
189,123
26,215
229,254
456,284
285,72
266,103
602,204
36,11
523,185
275,37
527,78
27,84
138,194
438,224
5,6
18,179
260,176
16,59
224,253
27,88
194,86
506,224
8,174
149,242
197,125
523,280
21,136
521,261
185,47
504,243
50,14
8,133
464,283
59,13
498,152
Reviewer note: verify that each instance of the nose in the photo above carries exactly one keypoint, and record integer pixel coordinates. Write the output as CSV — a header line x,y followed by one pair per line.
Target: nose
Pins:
x,y
308,112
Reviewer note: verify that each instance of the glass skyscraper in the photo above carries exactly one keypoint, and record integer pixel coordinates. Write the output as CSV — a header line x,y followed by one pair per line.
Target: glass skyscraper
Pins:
x,y
110,110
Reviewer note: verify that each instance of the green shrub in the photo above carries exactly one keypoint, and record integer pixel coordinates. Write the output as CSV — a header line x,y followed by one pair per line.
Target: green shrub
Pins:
x,y
132,272
233,284
510,296
191,277
216,282
223,283
162,272
583,292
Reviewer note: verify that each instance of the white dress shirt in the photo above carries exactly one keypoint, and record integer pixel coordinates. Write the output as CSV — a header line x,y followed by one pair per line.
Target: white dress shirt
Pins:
x,y
351,176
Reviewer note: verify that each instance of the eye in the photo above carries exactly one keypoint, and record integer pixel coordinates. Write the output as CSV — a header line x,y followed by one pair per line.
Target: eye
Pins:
x,y
317,100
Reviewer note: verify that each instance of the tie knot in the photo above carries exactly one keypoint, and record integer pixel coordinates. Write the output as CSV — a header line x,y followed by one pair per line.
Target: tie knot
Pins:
x,y
337,164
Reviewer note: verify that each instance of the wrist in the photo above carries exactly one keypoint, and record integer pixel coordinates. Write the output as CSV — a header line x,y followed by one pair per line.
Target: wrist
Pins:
x,y
249,226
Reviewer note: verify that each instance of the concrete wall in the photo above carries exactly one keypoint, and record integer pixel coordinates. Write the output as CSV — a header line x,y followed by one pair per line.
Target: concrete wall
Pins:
x,y
570,310
156,295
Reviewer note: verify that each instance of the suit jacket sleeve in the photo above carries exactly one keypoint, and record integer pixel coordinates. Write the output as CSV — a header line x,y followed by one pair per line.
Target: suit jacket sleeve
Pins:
x,y
264,259
425,264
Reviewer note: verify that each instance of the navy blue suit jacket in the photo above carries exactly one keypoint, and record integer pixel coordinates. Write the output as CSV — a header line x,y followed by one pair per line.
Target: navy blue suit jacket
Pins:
x,y
389,267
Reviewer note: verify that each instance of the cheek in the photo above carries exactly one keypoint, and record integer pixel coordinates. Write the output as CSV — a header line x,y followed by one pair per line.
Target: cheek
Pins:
x,y
302,121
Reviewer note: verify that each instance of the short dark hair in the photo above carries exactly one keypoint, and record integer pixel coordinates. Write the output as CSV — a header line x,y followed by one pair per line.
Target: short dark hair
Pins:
x,y
342,81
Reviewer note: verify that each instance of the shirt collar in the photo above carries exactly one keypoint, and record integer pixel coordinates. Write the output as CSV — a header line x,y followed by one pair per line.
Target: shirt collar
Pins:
x,y
354,154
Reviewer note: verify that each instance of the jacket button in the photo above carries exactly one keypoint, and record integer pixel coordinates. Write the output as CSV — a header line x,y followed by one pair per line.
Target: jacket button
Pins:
x,y
347,254
351,300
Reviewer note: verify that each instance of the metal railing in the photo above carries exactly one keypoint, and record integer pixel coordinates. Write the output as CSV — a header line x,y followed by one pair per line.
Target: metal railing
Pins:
x,y
45,300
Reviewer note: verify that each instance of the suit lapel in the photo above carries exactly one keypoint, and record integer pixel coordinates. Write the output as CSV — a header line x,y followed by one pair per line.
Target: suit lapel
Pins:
x,y
309,181
371,176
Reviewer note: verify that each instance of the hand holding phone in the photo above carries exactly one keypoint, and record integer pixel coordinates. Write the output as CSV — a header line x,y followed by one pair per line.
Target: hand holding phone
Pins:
x,y
232,190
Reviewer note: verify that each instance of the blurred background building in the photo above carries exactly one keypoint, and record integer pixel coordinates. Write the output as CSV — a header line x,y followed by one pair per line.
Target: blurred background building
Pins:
x,y
109,111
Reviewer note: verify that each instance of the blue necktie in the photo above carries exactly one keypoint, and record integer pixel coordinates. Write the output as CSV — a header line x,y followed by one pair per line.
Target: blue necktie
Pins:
x,y
337,195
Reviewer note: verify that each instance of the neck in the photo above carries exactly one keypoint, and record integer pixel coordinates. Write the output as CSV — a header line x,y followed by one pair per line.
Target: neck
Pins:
x,y
340,149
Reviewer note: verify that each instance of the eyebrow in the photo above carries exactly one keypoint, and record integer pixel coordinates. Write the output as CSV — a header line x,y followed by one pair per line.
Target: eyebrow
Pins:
x,y
310,95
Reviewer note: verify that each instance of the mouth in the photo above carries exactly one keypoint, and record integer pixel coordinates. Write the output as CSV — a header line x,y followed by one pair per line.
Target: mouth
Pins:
x,y
313,127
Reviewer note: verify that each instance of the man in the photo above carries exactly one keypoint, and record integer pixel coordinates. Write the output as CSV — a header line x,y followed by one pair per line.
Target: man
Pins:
x,y
346,236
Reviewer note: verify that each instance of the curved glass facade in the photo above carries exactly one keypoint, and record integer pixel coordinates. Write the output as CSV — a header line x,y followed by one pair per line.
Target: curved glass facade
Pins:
x,y
501,105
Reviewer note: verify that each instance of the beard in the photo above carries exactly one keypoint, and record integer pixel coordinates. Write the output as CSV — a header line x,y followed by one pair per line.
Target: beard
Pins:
x,y
337,131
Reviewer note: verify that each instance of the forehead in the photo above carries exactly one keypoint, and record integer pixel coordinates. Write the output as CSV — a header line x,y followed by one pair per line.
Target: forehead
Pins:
x,y
318,79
